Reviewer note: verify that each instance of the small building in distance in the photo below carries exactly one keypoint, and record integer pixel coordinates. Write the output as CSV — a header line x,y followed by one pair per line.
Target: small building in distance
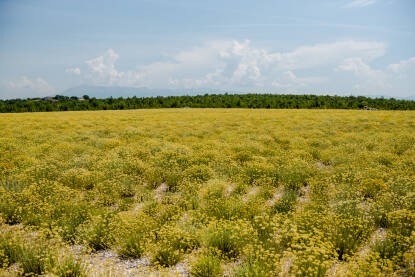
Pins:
x,y
49,98
369,108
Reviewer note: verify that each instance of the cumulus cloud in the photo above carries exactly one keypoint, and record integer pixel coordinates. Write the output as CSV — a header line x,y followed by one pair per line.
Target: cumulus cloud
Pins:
x,y
329,53
360,68
292,82
239,65
103,67
75,71
37,84
102,71
369,78
25,87
404,68
360,3
233,65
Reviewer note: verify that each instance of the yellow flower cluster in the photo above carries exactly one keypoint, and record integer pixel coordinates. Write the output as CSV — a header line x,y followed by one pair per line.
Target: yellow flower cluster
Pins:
x,y
217,191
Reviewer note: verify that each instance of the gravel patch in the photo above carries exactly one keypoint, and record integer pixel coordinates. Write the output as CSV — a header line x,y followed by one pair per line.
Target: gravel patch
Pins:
x,y
108,263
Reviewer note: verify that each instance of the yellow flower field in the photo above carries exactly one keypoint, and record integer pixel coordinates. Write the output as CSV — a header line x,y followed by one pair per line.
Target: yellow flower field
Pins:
x,y
235,192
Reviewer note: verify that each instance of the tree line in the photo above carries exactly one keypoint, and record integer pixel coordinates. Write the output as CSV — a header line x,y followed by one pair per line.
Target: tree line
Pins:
x,y
255,101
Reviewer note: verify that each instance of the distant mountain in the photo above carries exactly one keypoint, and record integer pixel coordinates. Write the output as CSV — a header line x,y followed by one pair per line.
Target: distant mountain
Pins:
x,y
411,98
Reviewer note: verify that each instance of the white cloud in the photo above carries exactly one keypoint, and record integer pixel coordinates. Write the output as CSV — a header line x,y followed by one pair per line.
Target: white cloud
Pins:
x,y
25,87
360,68
102,71
329,53
404,68
37,84
75,71
233,65
103,67
391,80
369,79
360,3
290,81
238,64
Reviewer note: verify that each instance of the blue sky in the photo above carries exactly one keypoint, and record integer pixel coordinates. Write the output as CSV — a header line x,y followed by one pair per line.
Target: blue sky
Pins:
x,y
359,47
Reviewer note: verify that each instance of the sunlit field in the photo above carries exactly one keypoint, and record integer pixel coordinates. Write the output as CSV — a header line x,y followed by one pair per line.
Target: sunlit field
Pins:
x,y
208,192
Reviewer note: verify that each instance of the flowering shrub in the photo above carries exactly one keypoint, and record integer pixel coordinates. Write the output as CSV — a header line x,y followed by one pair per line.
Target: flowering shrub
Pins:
x,y
233,192
206,265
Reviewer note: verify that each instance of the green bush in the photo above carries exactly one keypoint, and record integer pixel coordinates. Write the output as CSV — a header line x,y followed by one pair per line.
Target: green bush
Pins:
x,y
380,209
99,231
4,259
68,217
134,233
228,237
287,202
162,212
69,266
79,178
393,247
350,227
371,187
252,269
225,239
400,238
133,246
35,260
206,265
8,247
178,238
172,244
402,222
314,255
258,260
9,206
294,177
223,208
198,173
167,255
259,173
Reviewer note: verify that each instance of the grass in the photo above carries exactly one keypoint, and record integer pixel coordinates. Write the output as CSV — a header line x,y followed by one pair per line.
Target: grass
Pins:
x,y
206,265
271,192
132,246
35,252
226,237
70,266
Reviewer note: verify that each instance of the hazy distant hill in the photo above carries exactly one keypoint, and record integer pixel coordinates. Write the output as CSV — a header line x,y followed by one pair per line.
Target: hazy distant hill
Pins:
x,y
106,92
